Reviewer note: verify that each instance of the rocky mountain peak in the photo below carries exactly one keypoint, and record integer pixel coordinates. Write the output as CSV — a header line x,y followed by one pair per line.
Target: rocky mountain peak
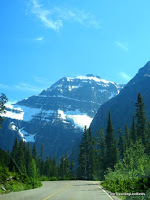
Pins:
x,y
57,116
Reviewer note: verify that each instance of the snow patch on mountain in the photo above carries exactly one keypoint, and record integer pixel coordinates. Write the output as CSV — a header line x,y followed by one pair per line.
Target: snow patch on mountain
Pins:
x,y
94,78
79,119
112,95
27,114
21,112
147,75
12,127
26,136
60,96
61,114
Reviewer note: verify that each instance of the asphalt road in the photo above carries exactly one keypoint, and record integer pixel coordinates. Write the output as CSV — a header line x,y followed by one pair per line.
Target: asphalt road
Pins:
x,y
61,190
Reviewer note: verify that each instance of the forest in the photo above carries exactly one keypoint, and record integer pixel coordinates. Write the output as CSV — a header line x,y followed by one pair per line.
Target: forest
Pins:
x,y
120,161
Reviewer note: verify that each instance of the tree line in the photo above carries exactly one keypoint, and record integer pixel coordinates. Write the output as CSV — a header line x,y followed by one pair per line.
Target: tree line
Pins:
x,y
121,160
24,160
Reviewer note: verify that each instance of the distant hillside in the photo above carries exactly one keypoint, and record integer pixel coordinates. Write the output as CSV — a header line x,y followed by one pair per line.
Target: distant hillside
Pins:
x,y
122,107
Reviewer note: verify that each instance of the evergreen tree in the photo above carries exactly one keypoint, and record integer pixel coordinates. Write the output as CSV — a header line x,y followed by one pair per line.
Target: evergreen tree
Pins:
x,y
101,150
111,145
115,152
133,130
13,166
120,144
72,175
15,149
91,162
28,158
83,156
4,158
42,151
3,101
42,161
141,119
61,168
32,171
20,159
147,145
47,167
34,152
54,168
127,139
66,167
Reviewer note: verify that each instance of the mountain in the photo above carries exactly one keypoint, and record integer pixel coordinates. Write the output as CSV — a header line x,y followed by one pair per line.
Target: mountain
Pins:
x,y
57,116
122,106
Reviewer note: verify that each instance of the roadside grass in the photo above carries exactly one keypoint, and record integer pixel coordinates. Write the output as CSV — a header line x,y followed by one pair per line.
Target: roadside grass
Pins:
x,y
13,182
44,178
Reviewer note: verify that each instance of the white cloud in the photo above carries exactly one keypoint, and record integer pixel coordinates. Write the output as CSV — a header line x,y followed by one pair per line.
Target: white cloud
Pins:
x,y
125,76
40,39
122,45
54,18
10,102
42,80
79,16
27,87
45,16
6,87
22,86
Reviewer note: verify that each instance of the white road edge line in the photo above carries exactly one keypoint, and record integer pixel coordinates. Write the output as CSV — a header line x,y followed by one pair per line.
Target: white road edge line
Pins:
x,y
105,192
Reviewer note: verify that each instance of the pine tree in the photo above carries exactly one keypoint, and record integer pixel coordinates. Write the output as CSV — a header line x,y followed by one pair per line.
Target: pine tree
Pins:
x,y
47,167
83,156
32,171
15,149
133,130
127,138
20,158
91,162
34,152
147,146
141,119
61,168
28,158
13,166
120,144
72,174
42,161
101,157
3,101
66,167
111,145
54,168
42,151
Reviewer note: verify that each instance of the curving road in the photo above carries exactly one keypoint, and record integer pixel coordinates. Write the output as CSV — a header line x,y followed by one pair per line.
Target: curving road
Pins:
x,y
61,190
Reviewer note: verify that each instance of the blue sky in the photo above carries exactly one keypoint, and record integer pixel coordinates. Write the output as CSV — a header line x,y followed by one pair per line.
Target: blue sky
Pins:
x,y
42,41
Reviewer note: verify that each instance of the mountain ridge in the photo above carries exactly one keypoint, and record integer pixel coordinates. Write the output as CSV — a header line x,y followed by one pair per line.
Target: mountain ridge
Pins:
x,y
122,106
57,116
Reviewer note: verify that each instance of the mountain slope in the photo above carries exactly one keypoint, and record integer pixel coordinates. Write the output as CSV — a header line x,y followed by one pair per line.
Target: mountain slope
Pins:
x,y
122,107
56,117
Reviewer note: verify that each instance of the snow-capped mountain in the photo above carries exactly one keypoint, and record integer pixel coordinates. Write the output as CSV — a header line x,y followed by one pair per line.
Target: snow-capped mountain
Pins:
x,y
57,116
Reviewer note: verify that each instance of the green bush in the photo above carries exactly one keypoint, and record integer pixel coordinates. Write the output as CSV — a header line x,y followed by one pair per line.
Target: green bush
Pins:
x,y
131,174
53,179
